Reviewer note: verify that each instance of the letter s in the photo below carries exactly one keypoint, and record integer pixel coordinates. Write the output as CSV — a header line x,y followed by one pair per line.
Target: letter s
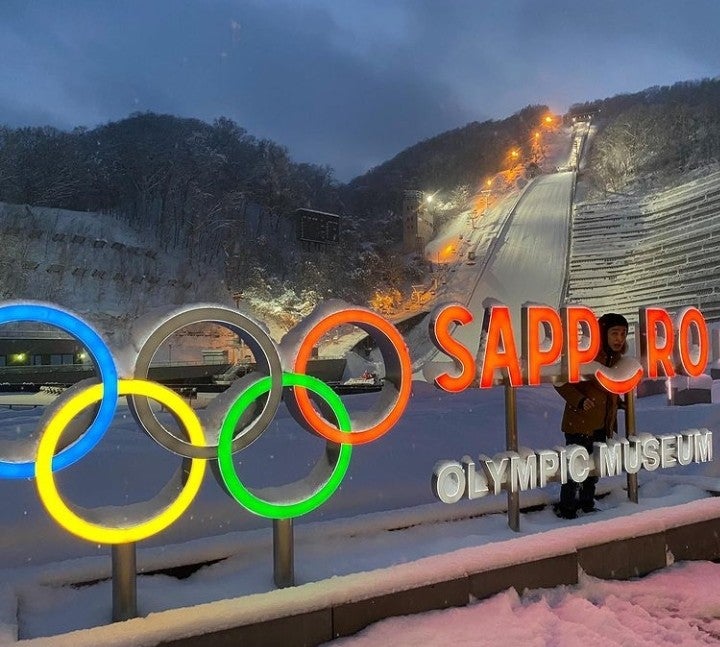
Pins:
x,y
440,322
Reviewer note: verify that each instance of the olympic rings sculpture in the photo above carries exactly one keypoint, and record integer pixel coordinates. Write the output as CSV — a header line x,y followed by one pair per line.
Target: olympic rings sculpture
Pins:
x,y
230,423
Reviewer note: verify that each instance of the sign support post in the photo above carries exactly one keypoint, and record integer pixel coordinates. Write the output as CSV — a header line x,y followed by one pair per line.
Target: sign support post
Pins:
x,y
124,582
283,553
632,479
511,441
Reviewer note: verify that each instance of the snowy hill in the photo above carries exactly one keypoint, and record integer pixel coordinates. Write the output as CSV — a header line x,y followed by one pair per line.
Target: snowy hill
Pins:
x,y
95,264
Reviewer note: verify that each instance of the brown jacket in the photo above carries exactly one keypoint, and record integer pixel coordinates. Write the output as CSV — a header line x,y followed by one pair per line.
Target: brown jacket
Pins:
x,y
602,416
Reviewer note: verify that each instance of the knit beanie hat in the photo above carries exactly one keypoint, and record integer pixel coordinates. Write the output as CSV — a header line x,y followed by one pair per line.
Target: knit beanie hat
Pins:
x,y
612,319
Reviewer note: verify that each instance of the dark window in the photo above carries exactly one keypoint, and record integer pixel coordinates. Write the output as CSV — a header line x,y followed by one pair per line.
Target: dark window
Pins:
x,y
65,358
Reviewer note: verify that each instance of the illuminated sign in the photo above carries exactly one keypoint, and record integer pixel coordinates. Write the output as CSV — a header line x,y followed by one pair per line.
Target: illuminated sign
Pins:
x,y
275,380
550,349
680,347
550,340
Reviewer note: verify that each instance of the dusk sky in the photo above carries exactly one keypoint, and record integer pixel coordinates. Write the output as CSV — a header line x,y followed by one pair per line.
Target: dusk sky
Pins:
x,y
349,83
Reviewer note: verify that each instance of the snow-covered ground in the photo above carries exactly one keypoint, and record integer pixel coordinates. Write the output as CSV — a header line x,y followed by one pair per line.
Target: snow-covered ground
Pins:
x,y
383,516
675,607
383,527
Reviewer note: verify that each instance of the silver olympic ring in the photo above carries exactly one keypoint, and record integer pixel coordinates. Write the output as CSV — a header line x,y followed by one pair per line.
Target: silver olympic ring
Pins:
x,y
268,364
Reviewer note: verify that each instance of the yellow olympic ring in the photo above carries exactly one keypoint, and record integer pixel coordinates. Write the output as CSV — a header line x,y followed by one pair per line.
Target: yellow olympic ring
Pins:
x,y
75,524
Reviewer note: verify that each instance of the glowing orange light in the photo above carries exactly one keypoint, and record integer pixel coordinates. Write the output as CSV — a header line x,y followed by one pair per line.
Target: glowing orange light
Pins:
x,y
573,355
500,351
619,387
536,357
548,119
461,356
368,321
692,317
653,354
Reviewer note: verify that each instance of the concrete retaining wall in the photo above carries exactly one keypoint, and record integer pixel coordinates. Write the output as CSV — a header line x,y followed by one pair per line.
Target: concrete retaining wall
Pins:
x,y
618,559
316,612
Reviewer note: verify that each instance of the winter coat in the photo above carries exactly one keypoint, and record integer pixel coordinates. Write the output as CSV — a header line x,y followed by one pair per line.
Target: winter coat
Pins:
x,y
603,415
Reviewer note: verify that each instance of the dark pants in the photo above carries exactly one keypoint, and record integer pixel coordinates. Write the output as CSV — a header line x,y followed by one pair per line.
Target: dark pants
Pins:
x,y
569,498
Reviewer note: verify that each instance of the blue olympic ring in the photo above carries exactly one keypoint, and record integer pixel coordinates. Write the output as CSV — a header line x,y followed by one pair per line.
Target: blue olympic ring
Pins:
x,y
108,374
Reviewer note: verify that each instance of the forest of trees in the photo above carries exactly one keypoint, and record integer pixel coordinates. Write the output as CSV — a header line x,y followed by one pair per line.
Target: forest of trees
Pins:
x,y
456,158
648,137
174,176
188,184
184,183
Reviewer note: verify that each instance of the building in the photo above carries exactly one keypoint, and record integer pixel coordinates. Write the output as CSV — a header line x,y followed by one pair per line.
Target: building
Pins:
x,y
417,222
40,348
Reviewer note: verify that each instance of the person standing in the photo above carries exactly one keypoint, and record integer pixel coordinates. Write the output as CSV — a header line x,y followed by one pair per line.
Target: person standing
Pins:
x,y
590,414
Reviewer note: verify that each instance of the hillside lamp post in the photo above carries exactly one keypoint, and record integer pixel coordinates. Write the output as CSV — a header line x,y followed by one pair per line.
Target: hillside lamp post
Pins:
x,y
430,196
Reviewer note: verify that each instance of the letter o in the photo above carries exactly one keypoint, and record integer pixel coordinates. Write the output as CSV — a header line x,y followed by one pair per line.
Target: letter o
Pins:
x,y
448,481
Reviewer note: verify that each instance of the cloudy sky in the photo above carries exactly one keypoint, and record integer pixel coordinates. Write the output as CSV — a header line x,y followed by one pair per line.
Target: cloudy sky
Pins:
x,y
347,83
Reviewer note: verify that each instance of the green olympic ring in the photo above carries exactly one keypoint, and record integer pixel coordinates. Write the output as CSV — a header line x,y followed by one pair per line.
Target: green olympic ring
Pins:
x,y
295,503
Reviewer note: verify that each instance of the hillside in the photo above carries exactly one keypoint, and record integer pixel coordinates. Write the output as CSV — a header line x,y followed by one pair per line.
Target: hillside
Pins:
x,y
214,204
96,265
650,138
457,158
